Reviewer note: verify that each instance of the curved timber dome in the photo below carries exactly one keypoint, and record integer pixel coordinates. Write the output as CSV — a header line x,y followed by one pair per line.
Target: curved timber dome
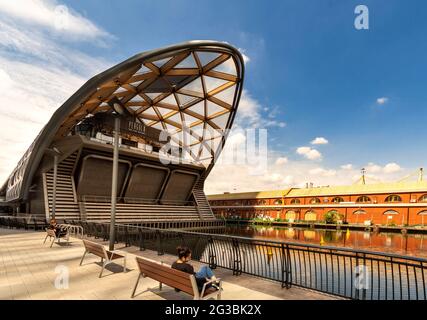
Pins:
x,y
189,90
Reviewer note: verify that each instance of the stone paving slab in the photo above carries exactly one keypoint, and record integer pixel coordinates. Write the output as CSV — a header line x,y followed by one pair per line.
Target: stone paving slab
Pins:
x,y
29,269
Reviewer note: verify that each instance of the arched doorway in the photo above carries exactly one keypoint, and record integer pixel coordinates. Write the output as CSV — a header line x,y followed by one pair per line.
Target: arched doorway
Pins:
x,y
310,215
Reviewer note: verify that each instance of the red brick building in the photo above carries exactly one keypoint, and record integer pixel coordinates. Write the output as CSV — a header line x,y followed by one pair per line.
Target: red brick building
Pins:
x,y
400,203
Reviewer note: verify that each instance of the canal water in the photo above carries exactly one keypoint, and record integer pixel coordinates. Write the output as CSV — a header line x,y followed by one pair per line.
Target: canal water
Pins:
x,y
390,242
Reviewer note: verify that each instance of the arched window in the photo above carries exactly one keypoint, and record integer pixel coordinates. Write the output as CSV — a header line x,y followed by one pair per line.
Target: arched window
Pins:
x,y
337,200
359,212
310,215
261,202
278,201
422,213
314,200
290,215
363,199
295,201
390,212
423,198
393,198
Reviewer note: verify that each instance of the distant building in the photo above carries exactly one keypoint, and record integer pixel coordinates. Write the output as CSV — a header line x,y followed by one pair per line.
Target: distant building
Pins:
x,y
397,203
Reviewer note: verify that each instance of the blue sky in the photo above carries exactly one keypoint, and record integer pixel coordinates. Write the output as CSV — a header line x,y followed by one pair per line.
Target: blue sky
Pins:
x,y
308,67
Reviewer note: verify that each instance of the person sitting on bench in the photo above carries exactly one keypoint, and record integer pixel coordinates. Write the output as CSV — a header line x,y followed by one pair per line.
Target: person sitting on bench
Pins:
x,y
203,275
59,232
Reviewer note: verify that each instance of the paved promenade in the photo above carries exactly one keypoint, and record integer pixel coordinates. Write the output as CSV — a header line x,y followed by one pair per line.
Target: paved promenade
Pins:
x,y
29,268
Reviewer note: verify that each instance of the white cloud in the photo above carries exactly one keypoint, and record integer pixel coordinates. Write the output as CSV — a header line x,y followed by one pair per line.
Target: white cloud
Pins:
x,y
382,100
322,172
249,114
320,140
309,153
372,167
246,58
53,16
347,166
281,161
391,167
37,75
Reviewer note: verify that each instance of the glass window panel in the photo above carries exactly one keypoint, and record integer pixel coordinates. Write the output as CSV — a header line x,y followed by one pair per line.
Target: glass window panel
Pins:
x,y
161,62
198,108
227,95
188,62
195,86
213,108
227,66
170,99
184,99
221,121
205,57
213,83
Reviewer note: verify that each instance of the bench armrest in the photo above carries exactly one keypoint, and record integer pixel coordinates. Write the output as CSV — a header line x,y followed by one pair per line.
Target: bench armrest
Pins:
x,y
217,280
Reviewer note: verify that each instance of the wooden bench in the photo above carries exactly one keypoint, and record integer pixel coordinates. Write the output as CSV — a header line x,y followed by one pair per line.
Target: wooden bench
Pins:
x,y
50,233
106,256
177,279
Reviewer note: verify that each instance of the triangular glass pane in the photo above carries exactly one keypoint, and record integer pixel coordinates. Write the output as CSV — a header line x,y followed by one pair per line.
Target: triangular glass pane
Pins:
x,y
150,112
137,83
221,121
158,125
195,86
170,128
187,63
175,118
213,83
137,98
184,99
213,108
189,120
163,111
205,153
120,90
198,108
195,150
161,62
205,56
198,130
170,99
153,95
227,95
227,66
143,70
214,144
134,108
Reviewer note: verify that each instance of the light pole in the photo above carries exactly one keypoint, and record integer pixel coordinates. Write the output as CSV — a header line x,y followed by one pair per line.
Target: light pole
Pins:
x,y
56,153
118,110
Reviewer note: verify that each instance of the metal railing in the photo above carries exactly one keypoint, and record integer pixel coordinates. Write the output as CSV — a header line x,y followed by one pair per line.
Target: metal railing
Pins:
x,y
344,272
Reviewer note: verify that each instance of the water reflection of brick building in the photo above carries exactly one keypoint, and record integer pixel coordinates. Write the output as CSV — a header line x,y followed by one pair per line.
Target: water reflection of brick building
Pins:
x,y
398,203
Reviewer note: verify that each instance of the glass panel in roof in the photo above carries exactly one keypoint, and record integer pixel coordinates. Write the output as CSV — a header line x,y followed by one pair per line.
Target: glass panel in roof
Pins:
x,y
221,121
188,119
184,99
213,108
198,108
161,62
170,99
153,95
134,108
137,98
149,111
205,56
170,128
213,83
227,66
143,70
195,86
227,95
175,118
187,63
163,111
158,125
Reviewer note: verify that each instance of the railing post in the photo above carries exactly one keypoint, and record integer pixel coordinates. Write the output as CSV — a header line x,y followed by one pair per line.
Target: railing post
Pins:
x,y
159,243
237,263
141,240
212,255
285,266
